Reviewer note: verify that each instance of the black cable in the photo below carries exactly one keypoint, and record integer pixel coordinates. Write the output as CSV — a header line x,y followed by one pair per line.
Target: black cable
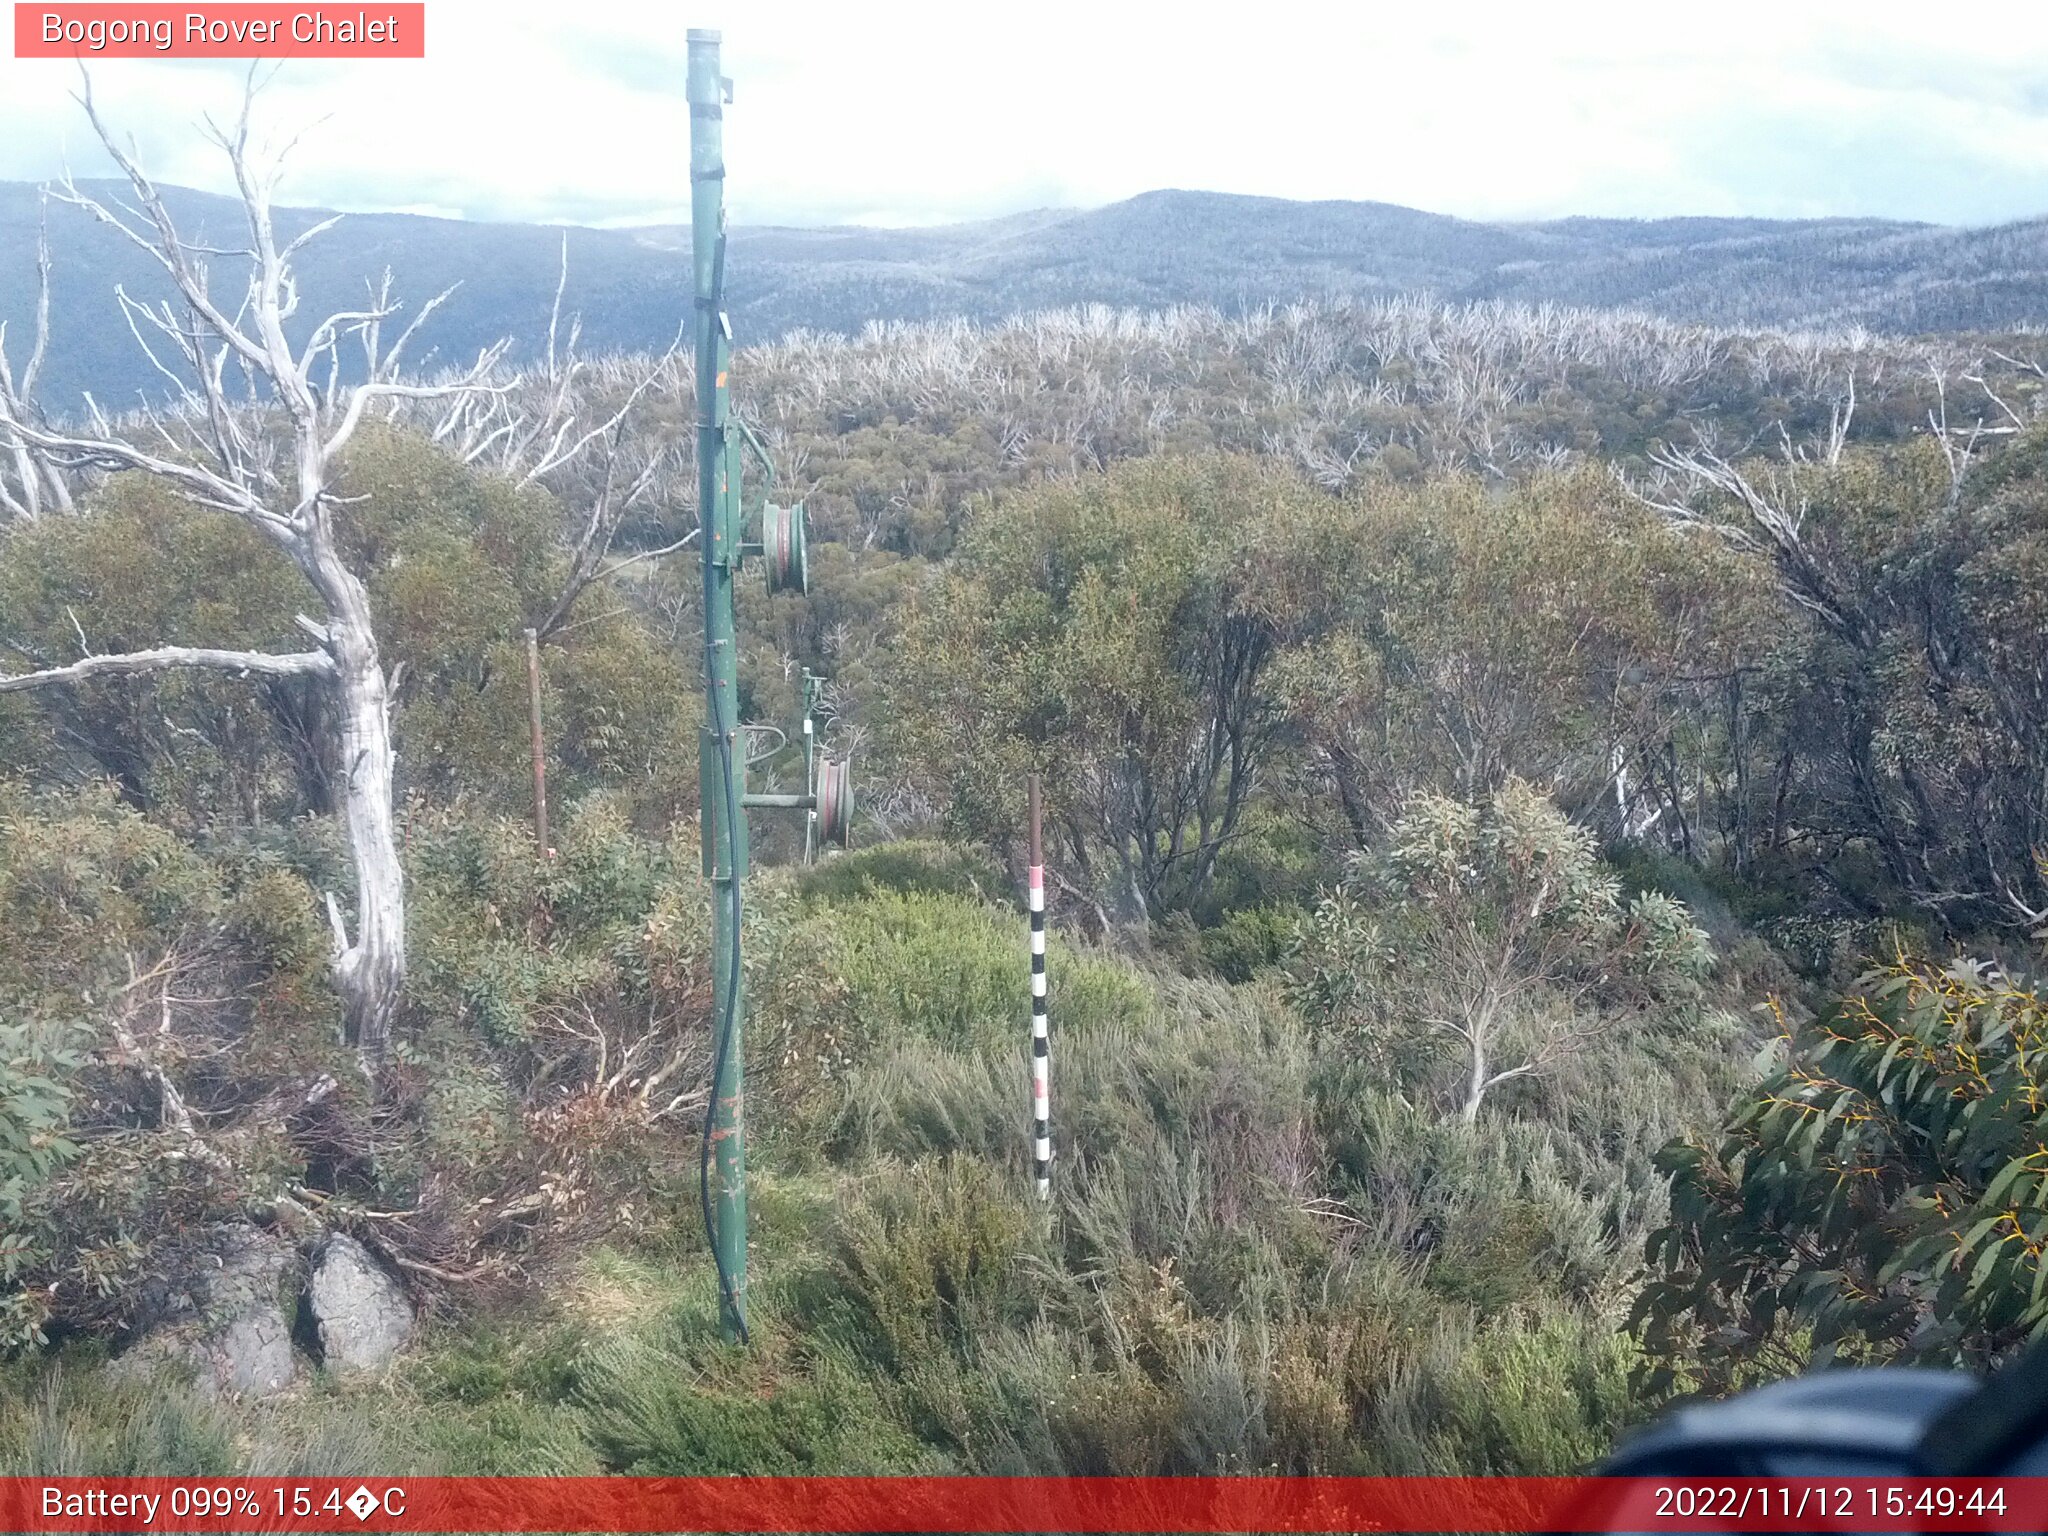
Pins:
x,y
726,1288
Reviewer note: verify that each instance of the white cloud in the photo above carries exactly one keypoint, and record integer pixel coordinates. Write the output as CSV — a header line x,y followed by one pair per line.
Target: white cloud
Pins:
x,y
918,112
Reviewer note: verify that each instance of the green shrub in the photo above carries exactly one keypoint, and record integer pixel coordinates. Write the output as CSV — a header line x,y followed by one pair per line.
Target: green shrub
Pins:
x,y
1276,860
83,1420
1482,942
931,1258
86,884
456,561
917,1099
657,1409
910,867
138,970
1525,1395
1250,940
38,1062
954,971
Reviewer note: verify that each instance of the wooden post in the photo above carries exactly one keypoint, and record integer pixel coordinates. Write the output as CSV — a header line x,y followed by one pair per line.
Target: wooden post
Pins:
x,y
1041,1039
540,756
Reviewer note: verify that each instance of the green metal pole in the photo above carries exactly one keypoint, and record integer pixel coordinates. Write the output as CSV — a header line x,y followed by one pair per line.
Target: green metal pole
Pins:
x,y
721,755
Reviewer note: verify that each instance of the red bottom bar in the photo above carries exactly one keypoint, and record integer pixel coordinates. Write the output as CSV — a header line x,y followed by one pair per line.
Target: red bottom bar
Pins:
x,y
1021,1504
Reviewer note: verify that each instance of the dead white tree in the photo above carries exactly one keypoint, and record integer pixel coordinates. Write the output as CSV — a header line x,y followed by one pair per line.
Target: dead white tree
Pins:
x,y
1774,505
267,456
28,483
547,428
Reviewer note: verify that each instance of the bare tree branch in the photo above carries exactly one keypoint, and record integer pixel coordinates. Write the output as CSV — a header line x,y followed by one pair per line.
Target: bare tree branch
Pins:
x,y
1778,512
362,394
35,477
171,658
646,554
107,452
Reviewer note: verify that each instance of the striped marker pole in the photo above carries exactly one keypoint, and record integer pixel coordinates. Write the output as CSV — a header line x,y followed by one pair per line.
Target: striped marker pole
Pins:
x,y
1041,1040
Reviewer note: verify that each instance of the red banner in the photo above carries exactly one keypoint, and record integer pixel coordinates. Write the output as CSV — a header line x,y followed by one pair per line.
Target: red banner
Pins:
x,y
215,31
997,1504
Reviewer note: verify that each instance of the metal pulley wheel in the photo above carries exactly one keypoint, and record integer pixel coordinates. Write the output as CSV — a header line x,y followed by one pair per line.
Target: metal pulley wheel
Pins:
x,y
783,548
835,801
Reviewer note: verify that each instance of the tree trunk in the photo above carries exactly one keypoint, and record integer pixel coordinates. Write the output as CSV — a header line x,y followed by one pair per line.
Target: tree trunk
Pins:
x,y
1475,1085
1738,735
370,971
1784,790
1350,795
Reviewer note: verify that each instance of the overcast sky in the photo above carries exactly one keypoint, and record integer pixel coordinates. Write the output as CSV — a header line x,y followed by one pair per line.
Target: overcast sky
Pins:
x,y
910,113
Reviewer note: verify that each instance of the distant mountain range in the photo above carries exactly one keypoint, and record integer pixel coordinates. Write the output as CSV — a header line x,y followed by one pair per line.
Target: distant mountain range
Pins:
x,y
631,287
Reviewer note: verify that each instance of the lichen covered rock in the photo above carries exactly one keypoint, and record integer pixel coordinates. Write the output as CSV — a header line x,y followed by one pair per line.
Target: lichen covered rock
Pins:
x,y
361,1314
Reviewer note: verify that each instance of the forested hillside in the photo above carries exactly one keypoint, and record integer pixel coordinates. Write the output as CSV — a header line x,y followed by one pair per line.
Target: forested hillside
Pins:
x,y
1154,251
1545,810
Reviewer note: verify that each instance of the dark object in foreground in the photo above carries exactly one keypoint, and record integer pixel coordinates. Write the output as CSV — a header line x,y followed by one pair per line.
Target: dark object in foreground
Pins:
x,y
1892,1421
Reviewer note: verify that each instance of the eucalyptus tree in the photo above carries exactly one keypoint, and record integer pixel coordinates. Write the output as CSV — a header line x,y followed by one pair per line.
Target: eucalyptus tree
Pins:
x,y
1491,928
1911,642
1118,633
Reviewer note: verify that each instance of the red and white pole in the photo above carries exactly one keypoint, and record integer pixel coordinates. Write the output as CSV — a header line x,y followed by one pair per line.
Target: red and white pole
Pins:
x,y
1041,1040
